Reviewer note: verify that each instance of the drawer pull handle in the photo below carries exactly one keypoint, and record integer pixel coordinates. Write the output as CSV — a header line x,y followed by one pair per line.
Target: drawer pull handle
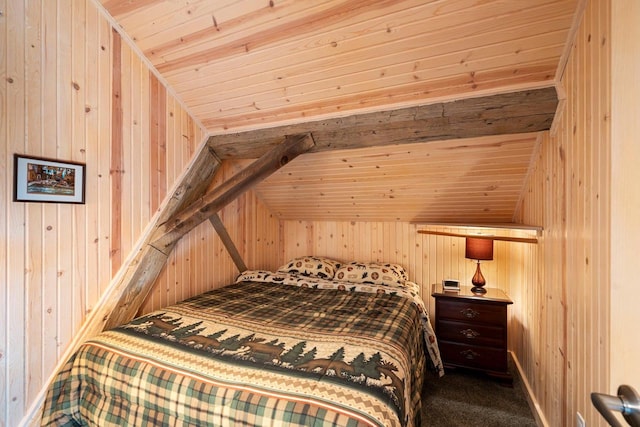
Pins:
x,y
469,313
469,354
469,333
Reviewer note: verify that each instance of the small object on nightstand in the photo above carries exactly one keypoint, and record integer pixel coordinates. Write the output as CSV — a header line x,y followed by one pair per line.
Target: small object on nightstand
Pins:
x,y
450,285
472,330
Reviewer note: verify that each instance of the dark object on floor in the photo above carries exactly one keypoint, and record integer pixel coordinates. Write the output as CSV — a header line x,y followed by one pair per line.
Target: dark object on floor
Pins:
x,y
464,398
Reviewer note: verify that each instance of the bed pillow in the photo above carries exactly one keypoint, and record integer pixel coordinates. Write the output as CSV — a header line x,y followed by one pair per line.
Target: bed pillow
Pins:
x,y
312,266
373,273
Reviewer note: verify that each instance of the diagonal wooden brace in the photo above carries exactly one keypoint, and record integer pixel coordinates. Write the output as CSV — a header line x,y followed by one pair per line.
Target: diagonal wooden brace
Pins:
x,y
201,210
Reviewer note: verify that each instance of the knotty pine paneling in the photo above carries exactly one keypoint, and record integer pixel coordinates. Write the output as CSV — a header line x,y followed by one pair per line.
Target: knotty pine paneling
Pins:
x,y
200,262
57,99
563,341
269,62
455,181
625,193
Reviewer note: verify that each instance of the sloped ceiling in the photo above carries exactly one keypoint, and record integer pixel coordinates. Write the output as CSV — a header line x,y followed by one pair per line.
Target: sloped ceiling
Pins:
x,y
471,181
244,66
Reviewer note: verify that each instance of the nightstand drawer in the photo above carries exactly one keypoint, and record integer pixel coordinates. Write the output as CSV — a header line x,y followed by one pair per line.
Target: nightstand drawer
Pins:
x,y
472,356
470,333
471,311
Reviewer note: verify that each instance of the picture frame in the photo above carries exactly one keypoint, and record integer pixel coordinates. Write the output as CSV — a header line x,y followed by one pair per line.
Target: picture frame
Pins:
x,y
39,179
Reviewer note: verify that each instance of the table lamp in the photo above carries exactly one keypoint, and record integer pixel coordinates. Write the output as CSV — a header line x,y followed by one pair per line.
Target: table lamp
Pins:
x,y
480,249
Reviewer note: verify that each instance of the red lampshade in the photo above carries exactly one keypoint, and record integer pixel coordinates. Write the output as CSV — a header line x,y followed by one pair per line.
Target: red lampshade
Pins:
x,y
479,249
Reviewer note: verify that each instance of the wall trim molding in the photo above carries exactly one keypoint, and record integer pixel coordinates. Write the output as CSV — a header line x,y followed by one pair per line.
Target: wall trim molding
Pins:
x,y
541,420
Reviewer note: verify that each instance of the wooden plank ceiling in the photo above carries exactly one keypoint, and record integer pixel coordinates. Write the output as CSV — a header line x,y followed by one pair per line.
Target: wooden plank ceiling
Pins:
x,y
431,182
252,71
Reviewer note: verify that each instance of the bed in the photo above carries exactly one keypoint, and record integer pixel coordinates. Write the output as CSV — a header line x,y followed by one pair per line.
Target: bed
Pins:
x,y
316,343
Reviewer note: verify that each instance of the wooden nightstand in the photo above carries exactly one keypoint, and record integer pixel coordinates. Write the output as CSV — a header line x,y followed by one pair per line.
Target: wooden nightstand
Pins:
x,y
472,329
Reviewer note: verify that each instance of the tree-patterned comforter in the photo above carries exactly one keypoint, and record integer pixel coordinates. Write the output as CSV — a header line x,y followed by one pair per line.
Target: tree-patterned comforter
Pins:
x,y
269,350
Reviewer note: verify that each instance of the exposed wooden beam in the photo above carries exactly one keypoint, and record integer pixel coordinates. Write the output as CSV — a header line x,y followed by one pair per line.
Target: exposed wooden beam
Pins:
x,y
212,202
145,268
137,281
227,242
194,185
479,236
508,113
132,288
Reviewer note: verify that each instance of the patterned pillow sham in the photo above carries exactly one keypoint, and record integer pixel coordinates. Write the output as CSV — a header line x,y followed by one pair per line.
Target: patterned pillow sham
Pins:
x,y
312,266
373,273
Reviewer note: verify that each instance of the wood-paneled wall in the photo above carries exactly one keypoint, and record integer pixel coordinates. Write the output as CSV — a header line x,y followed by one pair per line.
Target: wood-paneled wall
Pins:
x,y
427,258
625,192
563,341
68,92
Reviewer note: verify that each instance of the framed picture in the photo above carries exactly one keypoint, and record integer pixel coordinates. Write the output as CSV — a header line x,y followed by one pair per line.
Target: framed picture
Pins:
x,y
46,180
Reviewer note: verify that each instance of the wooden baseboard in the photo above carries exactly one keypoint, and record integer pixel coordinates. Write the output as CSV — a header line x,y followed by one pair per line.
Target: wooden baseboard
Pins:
x,y
533,403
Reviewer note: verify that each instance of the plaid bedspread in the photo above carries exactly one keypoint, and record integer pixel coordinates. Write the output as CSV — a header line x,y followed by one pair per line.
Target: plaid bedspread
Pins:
x,y
264,353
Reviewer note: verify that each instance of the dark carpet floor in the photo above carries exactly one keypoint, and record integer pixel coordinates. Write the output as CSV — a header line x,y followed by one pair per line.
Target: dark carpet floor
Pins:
x,y
463,398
